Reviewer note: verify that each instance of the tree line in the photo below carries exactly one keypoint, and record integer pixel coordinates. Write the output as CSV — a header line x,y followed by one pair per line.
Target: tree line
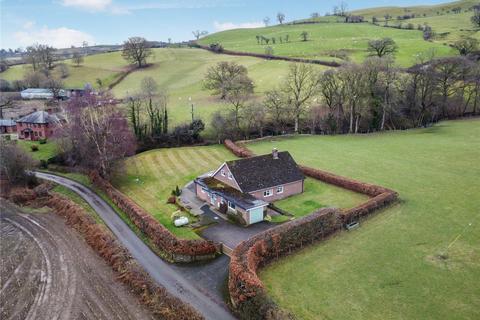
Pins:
x,y
354,98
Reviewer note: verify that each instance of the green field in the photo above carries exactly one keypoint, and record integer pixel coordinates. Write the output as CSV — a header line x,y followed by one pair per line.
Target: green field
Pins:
x,y
178,71
326,39
45,151
160,171
181,73
105,66
318,195
429,11
419,259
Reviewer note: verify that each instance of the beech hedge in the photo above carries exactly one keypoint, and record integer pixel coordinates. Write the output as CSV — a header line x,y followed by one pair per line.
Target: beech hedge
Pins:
x,y
156,298
173,248
247,293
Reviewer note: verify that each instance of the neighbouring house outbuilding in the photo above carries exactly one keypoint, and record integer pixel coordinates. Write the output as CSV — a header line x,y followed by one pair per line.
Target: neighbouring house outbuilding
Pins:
x,y
8,126
40,93
38,125
246,187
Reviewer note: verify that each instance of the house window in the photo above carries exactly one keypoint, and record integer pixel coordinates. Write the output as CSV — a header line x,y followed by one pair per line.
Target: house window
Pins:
x,y
231,205
40,133
36,133
280,189
223,173
230,176
204,190
268,193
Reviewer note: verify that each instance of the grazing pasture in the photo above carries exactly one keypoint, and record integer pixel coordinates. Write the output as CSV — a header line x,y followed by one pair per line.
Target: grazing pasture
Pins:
x,y
327,40
416,260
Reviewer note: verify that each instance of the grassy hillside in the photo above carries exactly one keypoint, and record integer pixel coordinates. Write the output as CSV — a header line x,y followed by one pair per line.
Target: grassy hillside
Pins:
x,y
105,66
433,10
419,259
326,40
179,71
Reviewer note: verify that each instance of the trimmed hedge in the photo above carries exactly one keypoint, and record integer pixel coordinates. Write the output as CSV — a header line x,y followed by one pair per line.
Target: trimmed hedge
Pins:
x,y
174,249
268,57
247,292
156,298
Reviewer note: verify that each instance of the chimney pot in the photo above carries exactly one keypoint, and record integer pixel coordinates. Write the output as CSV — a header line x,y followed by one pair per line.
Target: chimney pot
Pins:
x,y
275,153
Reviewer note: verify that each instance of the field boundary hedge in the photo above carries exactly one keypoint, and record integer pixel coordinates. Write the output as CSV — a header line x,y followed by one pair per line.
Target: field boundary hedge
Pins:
x,y
247,292
156,298
268,57
174,249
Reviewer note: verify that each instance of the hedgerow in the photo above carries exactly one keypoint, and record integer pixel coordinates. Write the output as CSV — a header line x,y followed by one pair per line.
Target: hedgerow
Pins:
x,y
175,249
162,304
247,293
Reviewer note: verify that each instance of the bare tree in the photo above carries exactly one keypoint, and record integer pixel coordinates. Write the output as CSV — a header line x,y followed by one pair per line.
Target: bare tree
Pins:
x,y
266,21
466,46
220,77
301,85
354,80
304,36
239,91
77,59
476,16
274,104
343,9
198,34
280,17
136,50
63,69
382,47
14,163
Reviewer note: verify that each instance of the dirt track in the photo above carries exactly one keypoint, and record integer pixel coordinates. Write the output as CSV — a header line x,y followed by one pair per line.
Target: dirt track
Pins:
x,y
48,272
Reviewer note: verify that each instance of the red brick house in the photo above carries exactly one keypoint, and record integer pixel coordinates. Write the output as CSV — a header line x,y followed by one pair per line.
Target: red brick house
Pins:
x,y
247,186
38,125
7,126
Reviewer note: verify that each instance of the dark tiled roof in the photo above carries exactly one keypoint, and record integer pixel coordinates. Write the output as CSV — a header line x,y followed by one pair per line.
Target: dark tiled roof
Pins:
x,y
244,200
263,172
40,117
7,122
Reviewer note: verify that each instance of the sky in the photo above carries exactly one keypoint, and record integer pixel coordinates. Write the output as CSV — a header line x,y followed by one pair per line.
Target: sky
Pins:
x,y
63,23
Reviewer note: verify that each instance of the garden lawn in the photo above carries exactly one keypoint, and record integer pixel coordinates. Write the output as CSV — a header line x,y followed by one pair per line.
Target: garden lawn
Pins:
x,y
45,151
326,39
160,171
418,259
318,195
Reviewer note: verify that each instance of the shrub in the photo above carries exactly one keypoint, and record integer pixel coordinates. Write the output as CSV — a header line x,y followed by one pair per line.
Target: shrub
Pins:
x,y
42,141
174,249
34,147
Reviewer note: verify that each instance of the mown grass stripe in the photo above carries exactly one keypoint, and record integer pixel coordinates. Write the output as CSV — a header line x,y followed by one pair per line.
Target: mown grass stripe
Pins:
x,y
177,169
174,155
160,160
195,155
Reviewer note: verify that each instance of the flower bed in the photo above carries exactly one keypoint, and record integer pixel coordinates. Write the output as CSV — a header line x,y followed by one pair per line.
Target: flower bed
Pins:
x,y
173,248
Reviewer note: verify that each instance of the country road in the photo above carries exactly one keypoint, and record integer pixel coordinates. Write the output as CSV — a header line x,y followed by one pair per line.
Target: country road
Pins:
x,y
165,274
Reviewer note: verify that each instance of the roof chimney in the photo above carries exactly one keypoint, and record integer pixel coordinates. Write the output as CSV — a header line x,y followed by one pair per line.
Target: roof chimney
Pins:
x,y
275,153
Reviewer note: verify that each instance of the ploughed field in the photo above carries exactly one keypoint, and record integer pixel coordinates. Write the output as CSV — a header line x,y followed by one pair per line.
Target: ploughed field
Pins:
x,y
419,259
49,272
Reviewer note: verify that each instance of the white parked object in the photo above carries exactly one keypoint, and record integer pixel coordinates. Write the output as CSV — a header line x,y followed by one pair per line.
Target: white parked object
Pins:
x,y
182,221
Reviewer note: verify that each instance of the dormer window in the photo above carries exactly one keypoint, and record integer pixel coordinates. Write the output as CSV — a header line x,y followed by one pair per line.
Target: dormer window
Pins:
x,y
222,173
230,176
